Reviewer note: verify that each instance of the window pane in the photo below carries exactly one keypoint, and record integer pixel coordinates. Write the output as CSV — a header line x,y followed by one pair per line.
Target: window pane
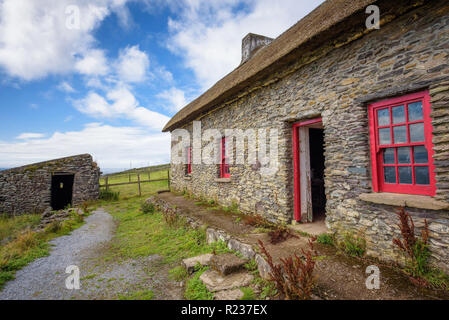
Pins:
x,y
417,132
390,174
384,136
400,134
422,175
398,114
383,117
421,155
405,175
389,156
415,111
404,155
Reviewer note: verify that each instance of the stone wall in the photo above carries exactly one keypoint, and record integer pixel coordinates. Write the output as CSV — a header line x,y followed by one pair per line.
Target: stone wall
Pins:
x,y
28,189
408,54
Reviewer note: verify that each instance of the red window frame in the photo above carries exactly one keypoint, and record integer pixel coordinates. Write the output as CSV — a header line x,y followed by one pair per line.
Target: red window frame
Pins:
x,y
189,161
224,166
377,149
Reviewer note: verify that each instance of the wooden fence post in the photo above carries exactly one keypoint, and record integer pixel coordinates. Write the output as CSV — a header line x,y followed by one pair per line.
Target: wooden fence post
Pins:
x,y
168,178
129,177
106,180
149,174
138,179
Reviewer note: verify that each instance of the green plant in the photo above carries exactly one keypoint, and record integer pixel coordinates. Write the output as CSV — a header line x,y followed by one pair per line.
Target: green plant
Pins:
x,y
108,195
196,289
251,265
353,244
325,238
248,294
147,207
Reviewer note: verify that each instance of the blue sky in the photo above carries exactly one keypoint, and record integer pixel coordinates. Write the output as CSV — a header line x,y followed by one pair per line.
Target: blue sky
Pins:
x,y
104,76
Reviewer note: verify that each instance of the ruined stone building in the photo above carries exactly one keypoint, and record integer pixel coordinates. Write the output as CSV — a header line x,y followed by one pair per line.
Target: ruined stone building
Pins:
x,y
362,116
56,184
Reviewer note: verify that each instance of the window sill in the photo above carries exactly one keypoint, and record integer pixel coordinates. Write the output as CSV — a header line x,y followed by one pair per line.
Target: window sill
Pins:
x,y
223,180
188,178
404,200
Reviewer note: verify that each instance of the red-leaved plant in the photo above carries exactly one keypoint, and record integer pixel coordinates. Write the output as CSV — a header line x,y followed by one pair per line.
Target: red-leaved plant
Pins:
x,y
416,249
293,277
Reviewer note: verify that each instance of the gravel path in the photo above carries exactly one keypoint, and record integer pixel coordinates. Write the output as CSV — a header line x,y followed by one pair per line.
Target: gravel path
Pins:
x,y
88,248
45,277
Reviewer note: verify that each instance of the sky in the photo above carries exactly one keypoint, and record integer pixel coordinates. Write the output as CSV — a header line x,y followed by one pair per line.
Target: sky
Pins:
x,y
104,76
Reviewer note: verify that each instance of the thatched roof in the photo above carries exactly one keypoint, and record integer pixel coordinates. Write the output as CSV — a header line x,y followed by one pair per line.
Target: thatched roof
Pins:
x,y
317,22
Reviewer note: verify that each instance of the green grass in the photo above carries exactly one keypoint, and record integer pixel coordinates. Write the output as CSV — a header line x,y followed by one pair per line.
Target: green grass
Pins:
x,y
11,226
138,295
28,246
196,289
248,294
147,188
178,273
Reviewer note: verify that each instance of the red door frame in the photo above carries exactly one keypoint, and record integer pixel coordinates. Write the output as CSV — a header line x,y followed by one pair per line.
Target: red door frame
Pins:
x,y
296,164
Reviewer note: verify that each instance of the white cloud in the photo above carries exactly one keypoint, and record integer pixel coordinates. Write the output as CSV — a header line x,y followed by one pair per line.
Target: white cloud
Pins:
x,y
132,65
93,63
35,41
175,97
27,136
120,102
112,147
208,34
66,87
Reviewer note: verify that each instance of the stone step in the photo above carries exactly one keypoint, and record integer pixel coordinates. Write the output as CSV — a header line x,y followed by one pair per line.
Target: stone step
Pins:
x,y
216,282
227,263
190,263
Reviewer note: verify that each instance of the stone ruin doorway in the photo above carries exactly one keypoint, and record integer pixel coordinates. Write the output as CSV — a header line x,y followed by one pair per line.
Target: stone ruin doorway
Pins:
x,y
61,190
308,158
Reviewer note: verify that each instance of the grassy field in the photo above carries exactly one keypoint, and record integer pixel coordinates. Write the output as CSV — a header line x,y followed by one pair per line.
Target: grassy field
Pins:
x,y
147,188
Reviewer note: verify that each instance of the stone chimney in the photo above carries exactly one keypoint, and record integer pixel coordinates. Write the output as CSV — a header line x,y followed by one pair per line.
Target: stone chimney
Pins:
x,y
251,43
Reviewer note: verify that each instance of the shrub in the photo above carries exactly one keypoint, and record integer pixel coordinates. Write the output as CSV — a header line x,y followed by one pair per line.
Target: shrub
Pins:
x,y
293,277
109,195
416,249
325,238
147,207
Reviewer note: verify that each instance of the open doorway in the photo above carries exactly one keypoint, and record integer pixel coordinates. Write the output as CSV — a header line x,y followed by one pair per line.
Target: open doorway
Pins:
x,y
309,159
61,190
316,142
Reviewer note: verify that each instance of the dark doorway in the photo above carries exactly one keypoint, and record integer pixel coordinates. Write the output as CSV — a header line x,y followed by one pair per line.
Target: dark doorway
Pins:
x,y
316,140
61,190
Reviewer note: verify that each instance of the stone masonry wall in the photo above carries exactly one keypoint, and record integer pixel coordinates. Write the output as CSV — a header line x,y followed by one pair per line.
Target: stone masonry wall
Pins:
x,y
28,189
408,54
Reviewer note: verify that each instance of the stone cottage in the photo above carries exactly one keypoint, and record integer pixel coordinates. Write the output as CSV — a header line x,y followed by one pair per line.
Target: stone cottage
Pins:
x,y
56,184
362,121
